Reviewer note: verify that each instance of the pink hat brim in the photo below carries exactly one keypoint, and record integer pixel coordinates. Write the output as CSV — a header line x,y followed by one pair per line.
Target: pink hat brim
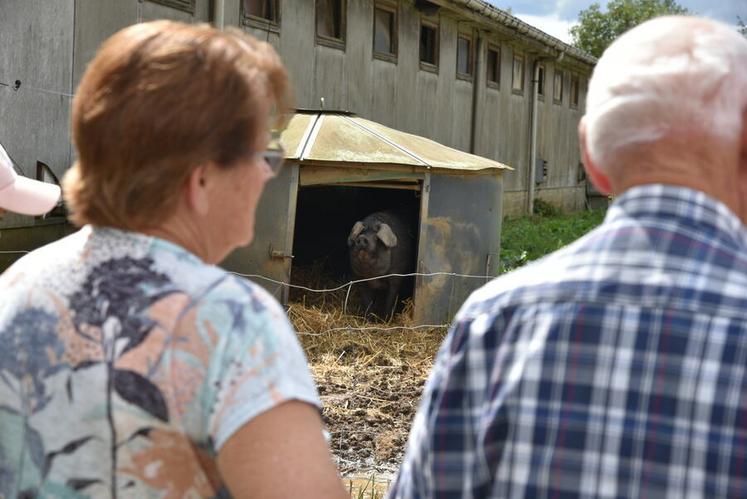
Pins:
x,y
29,197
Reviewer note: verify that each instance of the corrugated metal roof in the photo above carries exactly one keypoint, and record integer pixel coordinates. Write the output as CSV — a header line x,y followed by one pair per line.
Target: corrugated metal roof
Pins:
x,y
332,137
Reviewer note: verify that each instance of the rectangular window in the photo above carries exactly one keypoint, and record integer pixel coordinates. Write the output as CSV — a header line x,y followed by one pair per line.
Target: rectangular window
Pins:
x,y
517,81
493,66
385,30
574,91
541,80
464,55
428,45
185,5
557,87
264,10
330,22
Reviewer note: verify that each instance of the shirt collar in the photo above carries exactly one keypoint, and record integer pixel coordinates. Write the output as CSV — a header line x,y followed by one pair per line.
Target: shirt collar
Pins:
x,y
681,205
121,236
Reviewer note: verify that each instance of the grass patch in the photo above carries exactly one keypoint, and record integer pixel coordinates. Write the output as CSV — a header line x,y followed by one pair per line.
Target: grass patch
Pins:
x,y
529,238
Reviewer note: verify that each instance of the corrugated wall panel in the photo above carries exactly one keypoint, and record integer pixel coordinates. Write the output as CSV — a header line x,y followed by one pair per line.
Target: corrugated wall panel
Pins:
x,y
460,234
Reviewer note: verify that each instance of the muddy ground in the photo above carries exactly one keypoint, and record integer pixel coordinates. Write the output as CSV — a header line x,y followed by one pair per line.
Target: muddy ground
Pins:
x,y
368,411
370,377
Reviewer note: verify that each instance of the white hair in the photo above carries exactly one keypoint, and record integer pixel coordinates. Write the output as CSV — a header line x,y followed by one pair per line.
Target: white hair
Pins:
x,y
666,77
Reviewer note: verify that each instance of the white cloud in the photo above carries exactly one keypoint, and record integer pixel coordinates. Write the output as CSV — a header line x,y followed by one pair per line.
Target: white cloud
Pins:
x,y
552,25
723,10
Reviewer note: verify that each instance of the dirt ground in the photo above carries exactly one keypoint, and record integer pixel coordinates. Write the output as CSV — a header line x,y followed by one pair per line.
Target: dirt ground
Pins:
x,y
370,377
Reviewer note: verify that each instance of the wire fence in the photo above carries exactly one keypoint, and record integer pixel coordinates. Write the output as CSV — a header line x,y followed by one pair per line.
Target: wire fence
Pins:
x,y
348,286
356,281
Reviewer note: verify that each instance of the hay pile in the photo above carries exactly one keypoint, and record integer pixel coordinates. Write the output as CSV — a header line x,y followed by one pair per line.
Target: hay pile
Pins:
x,y
370,378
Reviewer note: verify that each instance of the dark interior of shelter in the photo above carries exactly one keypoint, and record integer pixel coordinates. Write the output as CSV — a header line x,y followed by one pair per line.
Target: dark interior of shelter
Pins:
x,y
325,216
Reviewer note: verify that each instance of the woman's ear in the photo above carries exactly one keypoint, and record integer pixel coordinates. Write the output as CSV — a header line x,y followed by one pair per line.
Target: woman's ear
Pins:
x,y
597,176
196,190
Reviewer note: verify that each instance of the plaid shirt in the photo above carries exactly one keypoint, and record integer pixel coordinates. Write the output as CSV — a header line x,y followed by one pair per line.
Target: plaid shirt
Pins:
x,y
615,367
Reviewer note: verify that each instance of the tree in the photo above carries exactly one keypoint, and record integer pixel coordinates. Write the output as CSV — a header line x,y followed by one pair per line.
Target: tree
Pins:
x,y
741,27
596,30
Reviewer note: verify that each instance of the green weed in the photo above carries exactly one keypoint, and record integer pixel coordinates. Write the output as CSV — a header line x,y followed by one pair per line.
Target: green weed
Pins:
x,y
529,238
545,209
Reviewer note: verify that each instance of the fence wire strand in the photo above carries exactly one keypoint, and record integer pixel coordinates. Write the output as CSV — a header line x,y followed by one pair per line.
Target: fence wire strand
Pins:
x,y
356,281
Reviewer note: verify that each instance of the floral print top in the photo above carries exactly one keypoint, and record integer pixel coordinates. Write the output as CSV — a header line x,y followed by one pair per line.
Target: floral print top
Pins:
x,y
127,363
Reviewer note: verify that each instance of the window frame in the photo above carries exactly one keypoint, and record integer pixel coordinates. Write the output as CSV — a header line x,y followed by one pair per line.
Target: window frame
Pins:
x,y
470,57
574,78
561,73
541,82
393,8
496,84
434,25
183,5
328,41
520,56
261,22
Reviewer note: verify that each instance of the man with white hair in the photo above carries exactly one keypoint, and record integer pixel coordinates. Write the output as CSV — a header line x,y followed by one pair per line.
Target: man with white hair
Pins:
x,y
617,366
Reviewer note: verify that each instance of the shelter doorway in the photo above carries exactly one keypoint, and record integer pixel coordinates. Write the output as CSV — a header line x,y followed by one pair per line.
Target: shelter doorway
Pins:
x,y
325,214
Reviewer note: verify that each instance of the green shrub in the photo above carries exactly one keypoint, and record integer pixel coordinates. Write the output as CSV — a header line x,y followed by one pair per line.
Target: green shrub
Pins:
x,y
544,209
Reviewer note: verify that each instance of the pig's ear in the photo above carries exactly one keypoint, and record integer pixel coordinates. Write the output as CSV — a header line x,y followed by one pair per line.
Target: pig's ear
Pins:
x,y
387,236
357,229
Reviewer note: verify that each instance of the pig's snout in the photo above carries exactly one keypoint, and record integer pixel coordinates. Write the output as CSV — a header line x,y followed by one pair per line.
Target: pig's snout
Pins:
x,y
362,244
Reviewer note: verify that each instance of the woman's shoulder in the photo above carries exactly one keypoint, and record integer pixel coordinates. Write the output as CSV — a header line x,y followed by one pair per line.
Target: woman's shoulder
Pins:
x,y
230,303
229,288
208,284
202,281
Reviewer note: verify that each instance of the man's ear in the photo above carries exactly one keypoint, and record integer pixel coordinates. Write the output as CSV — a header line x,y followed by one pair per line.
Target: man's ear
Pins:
x,y
196,190
597,176
743,155
742,167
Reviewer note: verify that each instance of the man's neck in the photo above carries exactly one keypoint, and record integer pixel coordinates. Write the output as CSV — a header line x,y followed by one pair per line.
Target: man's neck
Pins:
x,y
718,180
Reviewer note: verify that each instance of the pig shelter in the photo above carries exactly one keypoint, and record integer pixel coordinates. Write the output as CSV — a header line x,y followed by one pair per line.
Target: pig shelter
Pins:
x,y
340,167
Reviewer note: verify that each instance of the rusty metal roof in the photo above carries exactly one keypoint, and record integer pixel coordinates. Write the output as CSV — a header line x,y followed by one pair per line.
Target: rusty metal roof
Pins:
x,y
344,139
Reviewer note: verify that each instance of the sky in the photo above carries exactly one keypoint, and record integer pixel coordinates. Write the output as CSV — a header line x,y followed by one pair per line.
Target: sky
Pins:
x,y
555,17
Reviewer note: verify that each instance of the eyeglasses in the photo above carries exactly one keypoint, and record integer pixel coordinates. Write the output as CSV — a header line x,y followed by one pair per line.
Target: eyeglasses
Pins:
x,y
274,158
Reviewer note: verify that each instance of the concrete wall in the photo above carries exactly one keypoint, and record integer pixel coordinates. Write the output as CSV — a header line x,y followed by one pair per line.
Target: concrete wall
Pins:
x,y
46,45
96,20
36,49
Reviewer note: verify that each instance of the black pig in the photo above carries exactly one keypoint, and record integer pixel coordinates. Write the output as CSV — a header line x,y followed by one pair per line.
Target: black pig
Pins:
x,y
380,244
